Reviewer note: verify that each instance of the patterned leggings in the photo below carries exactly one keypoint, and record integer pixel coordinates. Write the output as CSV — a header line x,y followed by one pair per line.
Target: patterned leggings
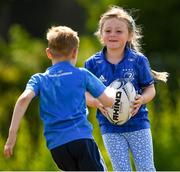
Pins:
x,y
138,142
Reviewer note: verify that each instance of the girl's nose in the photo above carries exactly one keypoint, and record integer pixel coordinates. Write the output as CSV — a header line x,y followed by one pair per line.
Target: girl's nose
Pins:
x,y
112,34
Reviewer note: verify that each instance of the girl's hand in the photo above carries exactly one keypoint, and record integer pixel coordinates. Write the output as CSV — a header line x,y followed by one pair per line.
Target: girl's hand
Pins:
x,y
139,100
8,148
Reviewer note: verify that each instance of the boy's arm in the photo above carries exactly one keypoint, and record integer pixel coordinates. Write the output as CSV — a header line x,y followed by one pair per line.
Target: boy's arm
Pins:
x,y
19,110
95,103
92,102
106,99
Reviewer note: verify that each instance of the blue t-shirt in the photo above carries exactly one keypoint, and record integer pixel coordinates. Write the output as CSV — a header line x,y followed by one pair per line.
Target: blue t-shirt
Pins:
x,y
63,110
133,67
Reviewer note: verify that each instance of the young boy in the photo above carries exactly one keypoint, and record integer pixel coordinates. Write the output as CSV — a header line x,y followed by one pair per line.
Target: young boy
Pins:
x,y
61,89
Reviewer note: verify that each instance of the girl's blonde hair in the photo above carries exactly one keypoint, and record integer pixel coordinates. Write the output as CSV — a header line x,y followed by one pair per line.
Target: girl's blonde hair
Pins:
x,y
120,13
134,30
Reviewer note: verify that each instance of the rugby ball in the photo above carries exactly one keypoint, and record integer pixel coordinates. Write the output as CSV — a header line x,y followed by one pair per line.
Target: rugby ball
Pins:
x,y
125,94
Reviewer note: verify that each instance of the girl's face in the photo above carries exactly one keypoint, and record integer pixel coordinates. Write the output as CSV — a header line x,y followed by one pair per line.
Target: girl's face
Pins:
x,y
115,33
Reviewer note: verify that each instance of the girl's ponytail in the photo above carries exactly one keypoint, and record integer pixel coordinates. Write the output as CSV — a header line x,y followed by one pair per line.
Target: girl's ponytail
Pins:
x,y
160,76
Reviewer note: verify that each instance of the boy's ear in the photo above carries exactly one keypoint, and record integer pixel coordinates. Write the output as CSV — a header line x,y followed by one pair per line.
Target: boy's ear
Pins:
x,y
48,52
74,52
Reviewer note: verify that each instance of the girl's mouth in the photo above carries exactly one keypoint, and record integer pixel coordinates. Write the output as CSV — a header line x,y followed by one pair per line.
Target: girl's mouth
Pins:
x,y
113,41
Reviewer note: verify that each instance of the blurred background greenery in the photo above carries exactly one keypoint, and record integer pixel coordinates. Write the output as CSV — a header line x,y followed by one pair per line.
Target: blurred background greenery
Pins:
x,y
23,26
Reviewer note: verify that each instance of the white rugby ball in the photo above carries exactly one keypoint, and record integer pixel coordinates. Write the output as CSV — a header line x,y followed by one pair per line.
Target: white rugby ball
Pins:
x,y
125,94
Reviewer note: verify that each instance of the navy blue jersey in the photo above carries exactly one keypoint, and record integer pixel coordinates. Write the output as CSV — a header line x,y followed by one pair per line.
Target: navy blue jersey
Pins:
x,y
62,102
133,67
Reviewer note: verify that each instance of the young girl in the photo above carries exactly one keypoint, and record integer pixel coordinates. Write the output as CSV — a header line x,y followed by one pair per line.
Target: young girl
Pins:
x,y
121,59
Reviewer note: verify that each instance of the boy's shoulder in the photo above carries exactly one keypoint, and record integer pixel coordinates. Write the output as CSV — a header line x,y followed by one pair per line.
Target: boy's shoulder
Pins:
x,y
83,70
38,74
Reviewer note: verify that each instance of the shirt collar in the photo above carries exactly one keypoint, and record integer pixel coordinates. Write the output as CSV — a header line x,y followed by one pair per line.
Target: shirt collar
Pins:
x,y
126,53
59,64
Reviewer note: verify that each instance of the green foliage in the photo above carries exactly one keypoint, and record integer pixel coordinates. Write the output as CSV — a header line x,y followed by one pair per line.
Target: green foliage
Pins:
x,y
94,9
88,45
28,154
24,55
165,128
26,52
20,58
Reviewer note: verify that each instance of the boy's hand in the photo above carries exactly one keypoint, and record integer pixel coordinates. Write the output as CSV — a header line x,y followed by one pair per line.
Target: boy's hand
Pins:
x,y
139,99
103,111
99,106
8,148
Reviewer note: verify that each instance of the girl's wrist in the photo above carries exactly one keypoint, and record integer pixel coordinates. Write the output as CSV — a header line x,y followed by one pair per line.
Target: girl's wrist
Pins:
x,y
143,99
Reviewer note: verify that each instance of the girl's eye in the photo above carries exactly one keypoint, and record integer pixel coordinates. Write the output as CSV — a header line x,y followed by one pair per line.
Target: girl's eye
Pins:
x,y
119,31
107,31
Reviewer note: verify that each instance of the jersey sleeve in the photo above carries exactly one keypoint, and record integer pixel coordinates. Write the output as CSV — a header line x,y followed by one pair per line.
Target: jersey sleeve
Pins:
x,y
93,85
145,75
34,84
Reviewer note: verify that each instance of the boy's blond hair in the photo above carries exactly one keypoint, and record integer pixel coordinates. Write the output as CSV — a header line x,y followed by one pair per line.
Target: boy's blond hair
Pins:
x,y
62,40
